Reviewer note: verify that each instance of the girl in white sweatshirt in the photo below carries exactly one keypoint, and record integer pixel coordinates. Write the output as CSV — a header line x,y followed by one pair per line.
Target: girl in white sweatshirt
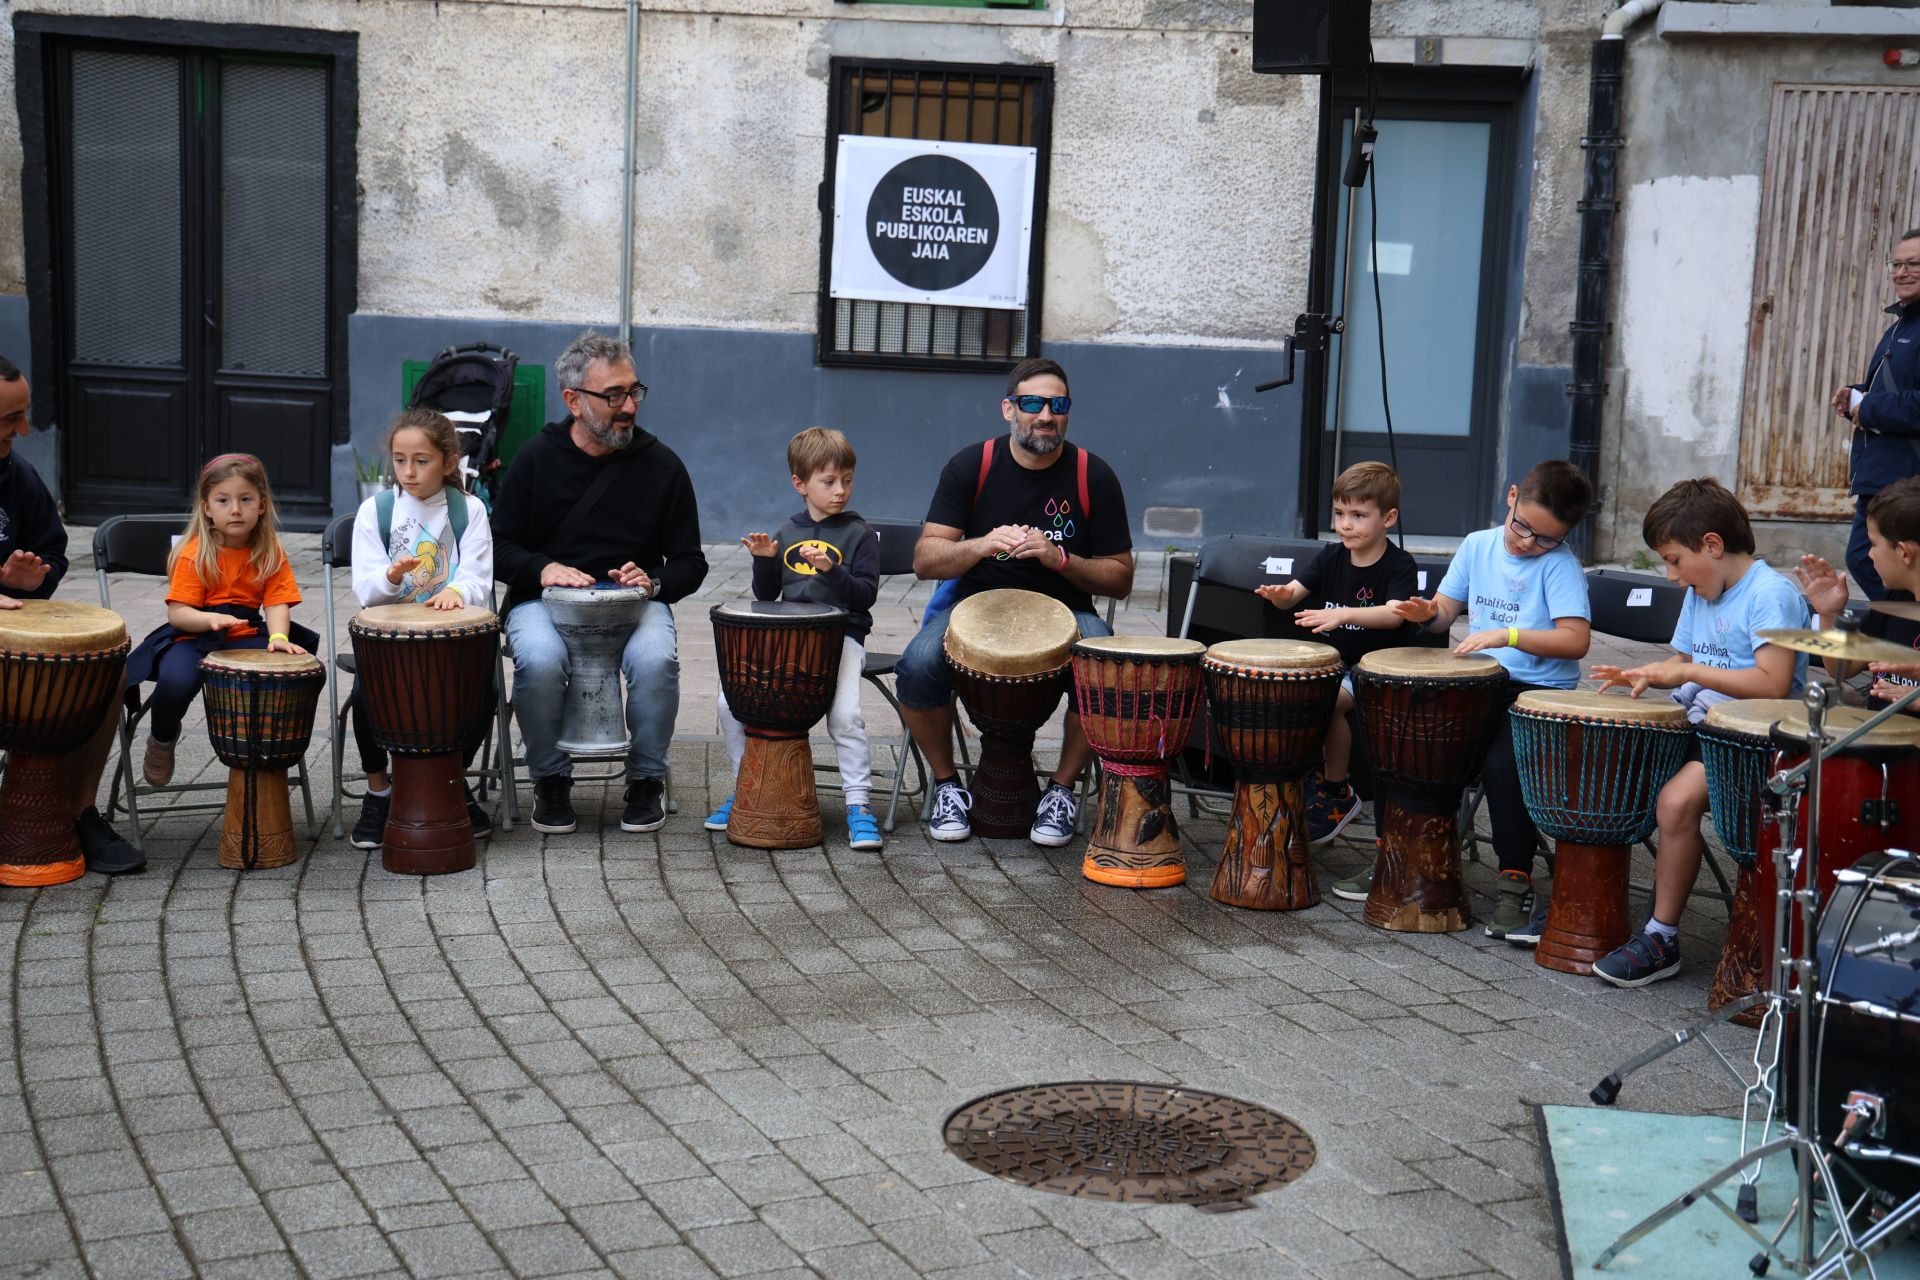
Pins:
x,y
427,542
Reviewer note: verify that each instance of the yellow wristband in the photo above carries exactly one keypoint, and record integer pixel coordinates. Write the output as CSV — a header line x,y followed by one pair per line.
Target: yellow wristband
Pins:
x,y
1513,637
278,635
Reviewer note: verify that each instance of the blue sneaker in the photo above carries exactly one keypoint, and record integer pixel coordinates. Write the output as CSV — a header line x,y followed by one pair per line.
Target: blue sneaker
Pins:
x,y
862,831
717,820
1643,958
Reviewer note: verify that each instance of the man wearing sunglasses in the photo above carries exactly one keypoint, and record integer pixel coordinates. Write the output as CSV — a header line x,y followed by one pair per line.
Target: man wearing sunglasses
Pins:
x,y
1027,510
1884,409
593,498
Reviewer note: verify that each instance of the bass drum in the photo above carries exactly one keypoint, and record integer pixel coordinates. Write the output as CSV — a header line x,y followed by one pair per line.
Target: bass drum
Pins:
x,y
1867,1018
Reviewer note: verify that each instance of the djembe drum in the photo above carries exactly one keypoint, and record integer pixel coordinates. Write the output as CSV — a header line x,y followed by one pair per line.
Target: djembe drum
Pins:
x,y
260,709
1137,697
60,670
779,666
1591,769
1429,717
596,623
1870,800
1010,652
428,678
1270,701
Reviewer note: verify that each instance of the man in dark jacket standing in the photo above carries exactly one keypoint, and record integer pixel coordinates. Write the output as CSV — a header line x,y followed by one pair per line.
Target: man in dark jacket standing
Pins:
x,y
637,526
1885,408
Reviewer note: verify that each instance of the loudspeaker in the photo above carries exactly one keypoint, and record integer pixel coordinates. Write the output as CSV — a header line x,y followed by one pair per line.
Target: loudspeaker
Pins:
x,y
1310,37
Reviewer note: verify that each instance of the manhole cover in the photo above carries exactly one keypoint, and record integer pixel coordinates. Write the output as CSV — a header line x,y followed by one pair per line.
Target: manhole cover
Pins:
x,y
1131,1143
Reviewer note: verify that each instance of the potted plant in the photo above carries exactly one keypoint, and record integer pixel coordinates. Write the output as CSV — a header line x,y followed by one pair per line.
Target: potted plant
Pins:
x,y
372,475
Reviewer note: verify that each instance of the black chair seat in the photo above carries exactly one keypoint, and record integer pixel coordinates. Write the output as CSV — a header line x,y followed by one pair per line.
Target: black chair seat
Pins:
x,y
344,661
879,664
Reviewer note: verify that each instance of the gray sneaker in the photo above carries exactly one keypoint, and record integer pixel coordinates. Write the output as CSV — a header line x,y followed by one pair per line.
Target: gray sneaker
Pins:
x,y
1513,908
1354,888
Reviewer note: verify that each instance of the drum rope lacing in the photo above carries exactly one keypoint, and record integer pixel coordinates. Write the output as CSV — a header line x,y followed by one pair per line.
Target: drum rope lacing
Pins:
x,y
1609,795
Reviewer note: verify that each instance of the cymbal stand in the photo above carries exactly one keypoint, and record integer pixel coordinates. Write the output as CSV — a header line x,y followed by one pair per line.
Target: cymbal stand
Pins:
x,y
1795,980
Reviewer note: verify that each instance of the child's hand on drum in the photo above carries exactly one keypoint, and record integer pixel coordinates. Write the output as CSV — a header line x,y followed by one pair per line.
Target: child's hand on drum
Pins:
x,y
447,598
1318,621
400,568
1909,670
1277,594
1496,639
1414,610
23,570
8,602
1823,587
283,646
760,544
814,556
1884,690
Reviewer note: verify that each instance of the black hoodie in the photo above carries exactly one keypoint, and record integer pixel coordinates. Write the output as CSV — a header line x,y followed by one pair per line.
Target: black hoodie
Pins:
x,y
29,521
647,515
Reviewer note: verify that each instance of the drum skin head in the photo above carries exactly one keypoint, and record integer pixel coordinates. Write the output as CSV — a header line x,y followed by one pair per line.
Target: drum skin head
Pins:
x,y
60,626
777,610
259,660
1900,731
1583,705
417,617
1755,717
1274,655
1142,648
598,594
1011,633
1427,664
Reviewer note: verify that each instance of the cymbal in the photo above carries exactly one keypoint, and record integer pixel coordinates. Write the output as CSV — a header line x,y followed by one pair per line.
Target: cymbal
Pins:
x,y
1848,646
1908,609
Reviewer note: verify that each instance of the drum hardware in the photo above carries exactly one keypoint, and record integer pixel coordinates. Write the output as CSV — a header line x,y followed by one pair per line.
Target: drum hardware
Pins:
x,y
1796,991
1887,942
1842,643
1908,609
1868,1110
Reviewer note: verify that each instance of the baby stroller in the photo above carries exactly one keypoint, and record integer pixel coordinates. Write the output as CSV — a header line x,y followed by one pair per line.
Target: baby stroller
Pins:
x,y
472,386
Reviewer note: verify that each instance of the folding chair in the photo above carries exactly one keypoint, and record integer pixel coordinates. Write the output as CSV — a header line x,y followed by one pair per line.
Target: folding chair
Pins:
x,y
141,545
897,539
336,552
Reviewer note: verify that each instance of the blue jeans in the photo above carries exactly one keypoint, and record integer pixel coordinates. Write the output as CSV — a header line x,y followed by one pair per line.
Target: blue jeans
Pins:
x,y
1858,565
923,680
650,665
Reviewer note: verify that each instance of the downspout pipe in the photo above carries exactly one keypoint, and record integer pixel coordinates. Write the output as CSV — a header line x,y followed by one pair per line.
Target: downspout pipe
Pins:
x,y
627,174
1599,201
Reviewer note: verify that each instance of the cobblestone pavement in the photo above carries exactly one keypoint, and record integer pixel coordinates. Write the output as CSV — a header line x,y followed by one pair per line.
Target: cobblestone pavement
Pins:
x,y
665,1056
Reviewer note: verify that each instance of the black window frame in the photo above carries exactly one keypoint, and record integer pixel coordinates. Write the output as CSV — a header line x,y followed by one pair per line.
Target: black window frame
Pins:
x,y
1040,138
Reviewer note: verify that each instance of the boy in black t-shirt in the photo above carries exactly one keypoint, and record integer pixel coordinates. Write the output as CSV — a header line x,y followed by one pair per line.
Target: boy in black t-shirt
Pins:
x,y
1353,578
1893,533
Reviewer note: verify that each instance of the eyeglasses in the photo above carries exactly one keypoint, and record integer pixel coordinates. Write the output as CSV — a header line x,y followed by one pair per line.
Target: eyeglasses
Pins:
x,y
1908,265
1034,404
1525,530
617,396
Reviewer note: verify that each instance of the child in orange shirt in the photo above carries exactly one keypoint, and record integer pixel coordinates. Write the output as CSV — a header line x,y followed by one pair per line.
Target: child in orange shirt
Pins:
x,y
232,587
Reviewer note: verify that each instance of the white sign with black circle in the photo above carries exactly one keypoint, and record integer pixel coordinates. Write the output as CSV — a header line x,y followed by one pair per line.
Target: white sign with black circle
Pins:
x,y
942,222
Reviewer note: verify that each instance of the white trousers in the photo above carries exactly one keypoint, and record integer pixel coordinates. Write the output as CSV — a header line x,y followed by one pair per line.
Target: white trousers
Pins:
x,y
844,725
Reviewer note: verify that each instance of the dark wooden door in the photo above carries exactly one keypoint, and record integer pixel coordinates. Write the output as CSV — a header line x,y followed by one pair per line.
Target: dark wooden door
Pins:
x,y
191,192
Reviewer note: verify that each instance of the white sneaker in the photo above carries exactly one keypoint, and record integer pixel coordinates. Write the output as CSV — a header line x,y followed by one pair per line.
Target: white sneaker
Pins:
x,y
947,820
1053,819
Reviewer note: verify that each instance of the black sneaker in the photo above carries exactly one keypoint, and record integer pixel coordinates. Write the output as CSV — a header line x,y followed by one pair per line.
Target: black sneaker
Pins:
x,y
482,824
106,852
646,808
553,805
1643,958
370,832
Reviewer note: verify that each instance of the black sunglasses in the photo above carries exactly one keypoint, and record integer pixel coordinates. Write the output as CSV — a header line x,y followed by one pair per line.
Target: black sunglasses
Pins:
x,y
1034,404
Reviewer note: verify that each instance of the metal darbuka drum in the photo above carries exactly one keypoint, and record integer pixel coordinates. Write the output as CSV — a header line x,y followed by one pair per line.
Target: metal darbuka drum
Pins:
x,y
428,678
1428,717
260,709
1739,754
1270,701
779,665
1137,697
1591,769
596,623
60,670
1009,651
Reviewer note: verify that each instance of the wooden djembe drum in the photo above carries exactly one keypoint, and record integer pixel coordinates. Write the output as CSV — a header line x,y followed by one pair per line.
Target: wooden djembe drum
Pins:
x,y
1010,653
779,665
1270,702
1429,718
1137,697
260,709
1591,768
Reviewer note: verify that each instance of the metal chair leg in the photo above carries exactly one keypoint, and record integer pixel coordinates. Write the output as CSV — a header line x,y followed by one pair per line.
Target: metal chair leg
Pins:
x,y
338,749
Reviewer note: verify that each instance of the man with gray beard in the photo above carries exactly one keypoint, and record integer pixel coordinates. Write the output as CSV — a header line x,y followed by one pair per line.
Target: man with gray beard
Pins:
x,y
593,498
1027,510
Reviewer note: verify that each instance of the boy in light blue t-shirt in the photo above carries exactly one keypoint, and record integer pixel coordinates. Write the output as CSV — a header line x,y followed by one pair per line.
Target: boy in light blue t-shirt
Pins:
x,y
1526,604
1703,534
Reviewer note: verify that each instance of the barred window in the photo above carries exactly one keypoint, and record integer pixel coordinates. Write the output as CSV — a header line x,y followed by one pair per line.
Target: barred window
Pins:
x,y
1009,106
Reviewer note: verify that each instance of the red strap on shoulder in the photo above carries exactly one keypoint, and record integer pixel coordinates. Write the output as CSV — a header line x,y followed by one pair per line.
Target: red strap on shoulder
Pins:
x,y
986,465
1086,507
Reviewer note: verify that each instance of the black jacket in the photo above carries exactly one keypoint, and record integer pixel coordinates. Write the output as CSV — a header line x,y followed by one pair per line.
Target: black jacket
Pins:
x,y
647,515
29,521
1886,444
852,583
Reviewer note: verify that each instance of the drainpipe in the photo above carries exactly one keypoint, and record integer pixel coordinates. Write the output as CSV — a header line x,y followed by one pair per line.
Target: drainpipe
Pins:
x,y
626,173
1598,203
